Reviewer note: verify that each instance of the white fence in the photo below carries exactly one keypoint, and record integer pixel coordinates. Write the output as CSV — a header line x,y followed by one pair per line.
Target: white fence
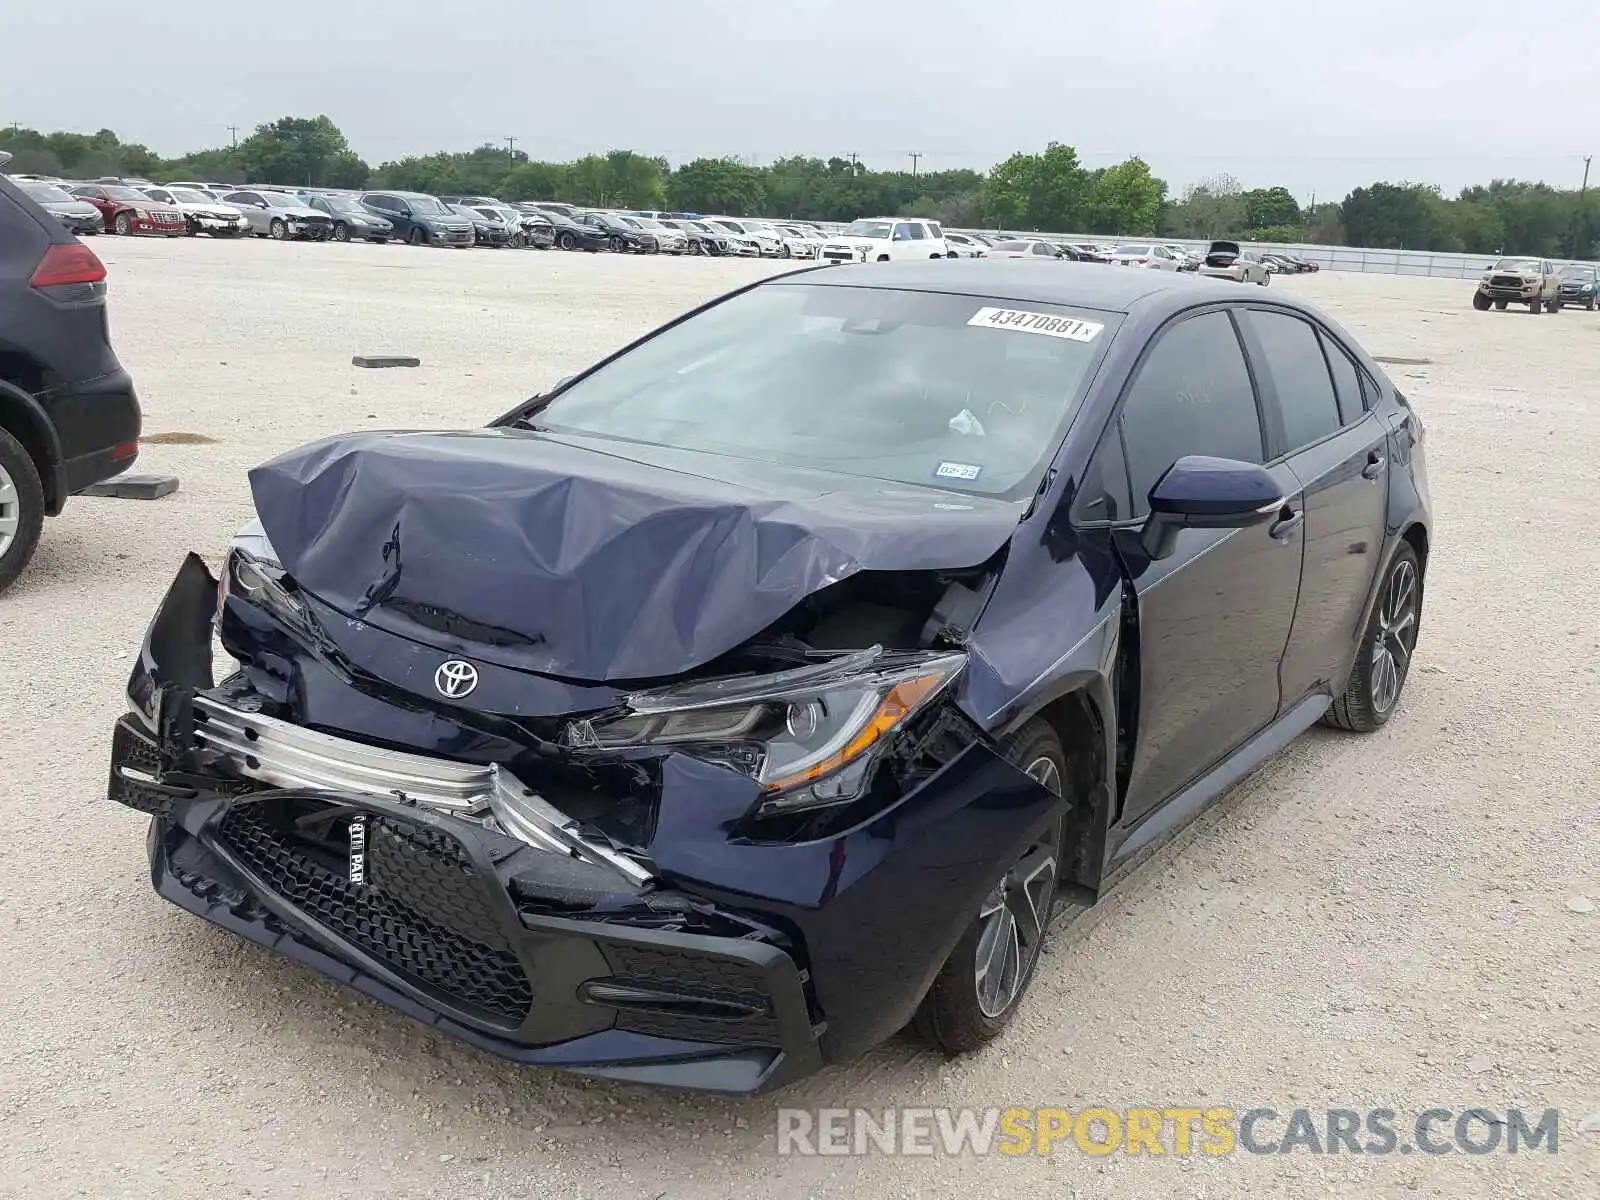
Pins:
x,y
1330,258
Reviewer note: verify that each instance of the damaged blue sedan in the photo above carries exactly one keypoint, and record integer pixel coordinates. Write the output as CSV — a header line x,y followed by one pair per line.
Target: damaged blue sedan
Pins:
x,y
764,688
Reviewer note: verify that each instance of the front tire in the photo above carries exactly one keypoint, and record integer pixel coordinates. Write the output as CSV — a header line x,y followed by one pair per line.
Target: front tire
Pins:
x,y
1480,302
618,246
341,232
565,241
1383,660
123,224
417,238
21,509
1535,306
277,231
982,983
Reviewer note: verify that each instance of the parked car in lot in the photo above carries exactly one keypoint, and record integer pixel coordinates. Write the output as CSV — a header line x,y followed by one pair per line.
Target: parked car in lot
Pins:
x,y
1187,259
1226,260
702,238
767,242
202,212
420,219
68,413
889,693
885,239
1281,264
965,246
737,244
1145,254
1579,285
281,216
669,239
489,228
573,235
352,221
127,210
1519,279
619,235
75,214
1033,248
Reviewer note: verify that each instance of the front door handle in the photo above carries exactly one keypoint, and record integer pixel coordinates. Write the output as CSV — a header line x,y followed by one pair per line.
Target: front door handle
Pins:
x,y
1374,466
1288,521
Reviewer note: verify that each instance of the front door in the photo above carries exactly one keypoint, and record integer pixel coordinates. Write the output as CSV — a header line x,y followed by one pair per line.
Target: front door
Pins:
x,y
1214,617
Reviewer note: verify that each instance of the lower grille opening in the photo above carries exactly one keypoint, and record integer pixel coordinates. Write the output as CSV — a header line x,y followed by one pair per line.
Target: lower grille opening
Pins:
x,y
423,911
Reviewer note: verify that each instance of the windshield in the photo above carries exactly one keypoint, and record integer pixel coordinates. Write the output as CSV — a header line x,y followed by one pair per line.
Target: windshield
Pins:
x,y
646,222
916,388
1010,246
704,228
281,200
867,229
1522,266
47,193
190,196
125,193
426,205
1134,251
344,204
1575,272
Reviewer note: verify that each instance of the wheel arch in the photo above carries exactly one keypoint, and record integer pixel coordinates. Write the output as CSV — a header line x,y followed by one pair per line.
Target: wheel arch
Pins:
x,y
24,419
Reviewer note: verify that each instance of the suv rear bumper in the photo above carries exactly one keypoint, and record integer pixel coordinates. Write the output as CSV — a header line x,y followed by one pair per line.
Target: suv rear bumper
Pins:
x,y
97,425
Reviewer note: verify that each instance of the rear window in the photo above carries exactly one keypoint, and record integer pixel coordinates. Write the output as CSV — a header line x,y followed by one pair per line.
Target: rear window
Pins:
x,y
910,387
1135,251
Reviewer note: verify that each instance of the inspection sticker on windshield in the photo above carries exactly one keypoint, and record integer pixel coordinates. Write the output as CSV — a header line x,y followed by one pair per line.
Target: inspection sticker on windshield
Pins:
x,y
1023,321
954,470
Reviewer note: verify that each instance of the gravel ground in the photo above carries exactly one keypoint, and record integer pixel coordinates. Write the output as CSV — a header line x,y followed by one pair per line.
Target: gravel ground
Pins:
x,y
1366,922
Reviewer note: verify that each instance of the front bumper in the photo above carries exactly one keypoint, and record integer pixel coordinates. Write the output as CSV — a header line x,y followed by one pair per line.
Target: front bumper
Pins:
x,y
218,224
715,962
1576,297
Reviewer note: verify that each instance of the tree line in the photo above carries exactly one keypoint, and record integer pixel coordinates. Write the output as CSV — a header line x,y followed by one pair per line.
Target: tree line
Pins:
x,y
1050,190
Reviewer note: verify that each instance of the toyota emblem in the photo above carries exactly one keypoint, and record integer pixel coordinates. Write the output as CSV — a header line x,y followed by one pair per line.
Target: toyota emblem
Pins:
x,y
455,678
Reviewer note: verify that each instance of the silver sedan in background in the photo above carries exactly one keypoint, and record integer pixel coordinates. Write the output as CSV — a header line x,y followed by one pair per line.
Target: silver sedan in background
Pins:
x,y
1227,260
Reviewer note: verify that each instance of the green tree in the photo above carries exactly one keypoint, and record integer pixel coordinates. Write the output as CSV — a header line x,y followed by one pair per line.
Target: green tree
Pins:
x,y
717,185
1265,207
309,151
1126,199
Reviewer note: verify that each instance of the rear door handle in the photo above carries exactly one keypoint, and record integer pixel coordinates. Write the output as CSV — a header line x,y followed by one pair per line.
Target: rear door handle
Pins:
x,y
1288,521
1374,466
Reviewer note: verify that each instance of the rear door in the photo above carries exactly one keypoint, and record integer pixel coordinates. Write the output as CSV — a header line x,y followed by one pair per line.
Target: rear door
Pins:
x,y
1214,617
1338,451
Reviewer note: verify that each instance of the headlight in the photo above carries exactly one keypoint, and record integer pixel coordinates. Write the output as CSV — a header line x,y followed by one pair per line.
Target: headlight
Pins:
x,y
261,582
806,735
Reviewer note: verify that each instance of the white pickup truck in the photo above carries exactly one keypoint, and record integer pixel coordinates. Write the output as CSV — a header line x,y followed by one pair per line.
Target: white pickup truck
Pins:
x,y
885,239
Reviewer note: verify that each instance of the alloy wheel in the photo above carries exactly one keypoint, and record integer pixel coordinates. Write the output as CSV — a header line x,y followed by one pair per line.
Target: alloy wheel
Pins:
x,y
1396,635
10,511
1016,914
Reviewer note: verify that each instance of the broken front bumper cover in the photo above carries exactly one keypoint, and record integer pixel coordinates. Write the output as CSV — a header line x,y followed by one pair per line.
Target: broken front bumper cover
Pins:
x,y
445,890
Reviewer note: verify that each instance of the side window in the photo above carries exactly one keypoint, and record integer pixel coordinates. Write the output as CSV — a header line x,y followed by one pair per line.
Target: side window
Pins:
x,y
1192,395
1346,382
919,231
1103,491
935,229
1299,374
249,198
1042,250
902,233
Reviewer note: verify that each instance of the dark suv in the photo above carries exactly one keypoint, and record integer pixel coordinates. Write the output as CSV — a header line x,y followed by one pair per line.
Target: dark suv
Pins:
x,y
68,414
760,689
421,220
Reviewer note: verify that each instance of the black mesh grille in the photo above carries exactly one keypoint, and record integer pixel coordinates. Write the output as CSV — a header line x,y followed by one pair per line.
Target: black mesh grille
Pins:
x,y
692,975
424,913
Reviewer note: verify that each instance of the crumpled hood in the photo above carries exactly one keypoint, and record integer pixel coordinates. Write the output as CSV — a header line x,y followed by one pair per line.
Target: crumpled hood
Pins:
x,y
568,557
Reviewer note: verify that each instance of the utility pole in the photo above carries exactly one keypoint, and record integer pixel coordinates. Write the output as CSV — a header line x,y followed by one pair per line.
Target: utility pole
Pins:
x,y
511,148
914,158
853,157
233,135
1578,222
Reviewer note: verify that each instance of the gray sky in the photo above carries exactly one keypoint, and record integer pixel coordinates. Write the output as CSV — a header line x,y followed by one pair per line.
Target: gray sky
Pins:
x,y
1440,91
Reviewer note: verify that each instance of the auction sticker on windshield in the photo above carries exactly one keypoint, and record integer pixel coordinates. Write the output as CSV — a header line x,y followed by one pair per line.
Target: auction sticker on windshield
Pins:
x,y
1036,322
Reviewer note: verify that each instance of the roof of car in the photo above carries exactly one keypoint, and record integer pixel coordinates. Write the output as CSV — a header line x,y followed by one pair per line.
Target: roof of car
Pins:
x,y
1084,285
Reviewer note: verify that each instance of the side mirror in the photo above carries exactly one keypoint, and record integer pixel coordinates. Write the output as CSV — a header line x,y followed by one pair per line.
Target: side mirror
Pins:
x,y
1199,492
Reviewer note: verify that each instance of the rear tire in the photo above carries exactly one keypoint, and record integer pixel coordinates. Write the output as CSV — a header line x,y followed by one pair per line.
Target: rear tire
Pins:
x,y
1383,659
982,983
21,509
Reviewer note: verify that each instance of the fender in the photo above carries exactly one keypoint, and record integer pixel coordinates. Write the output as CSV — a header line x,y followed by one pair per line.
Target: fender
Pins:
x,y
24,415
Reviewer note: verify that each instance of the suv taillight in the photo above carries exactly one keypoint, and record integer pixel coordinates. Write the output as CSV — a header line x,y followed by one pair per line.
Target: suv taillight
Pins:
x,y
69,265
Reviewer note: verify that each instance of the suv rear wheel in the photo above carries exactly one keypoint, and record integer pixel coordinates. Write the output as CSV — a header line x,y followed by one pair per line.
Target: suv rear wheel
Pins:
x,y
21,508
983,981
